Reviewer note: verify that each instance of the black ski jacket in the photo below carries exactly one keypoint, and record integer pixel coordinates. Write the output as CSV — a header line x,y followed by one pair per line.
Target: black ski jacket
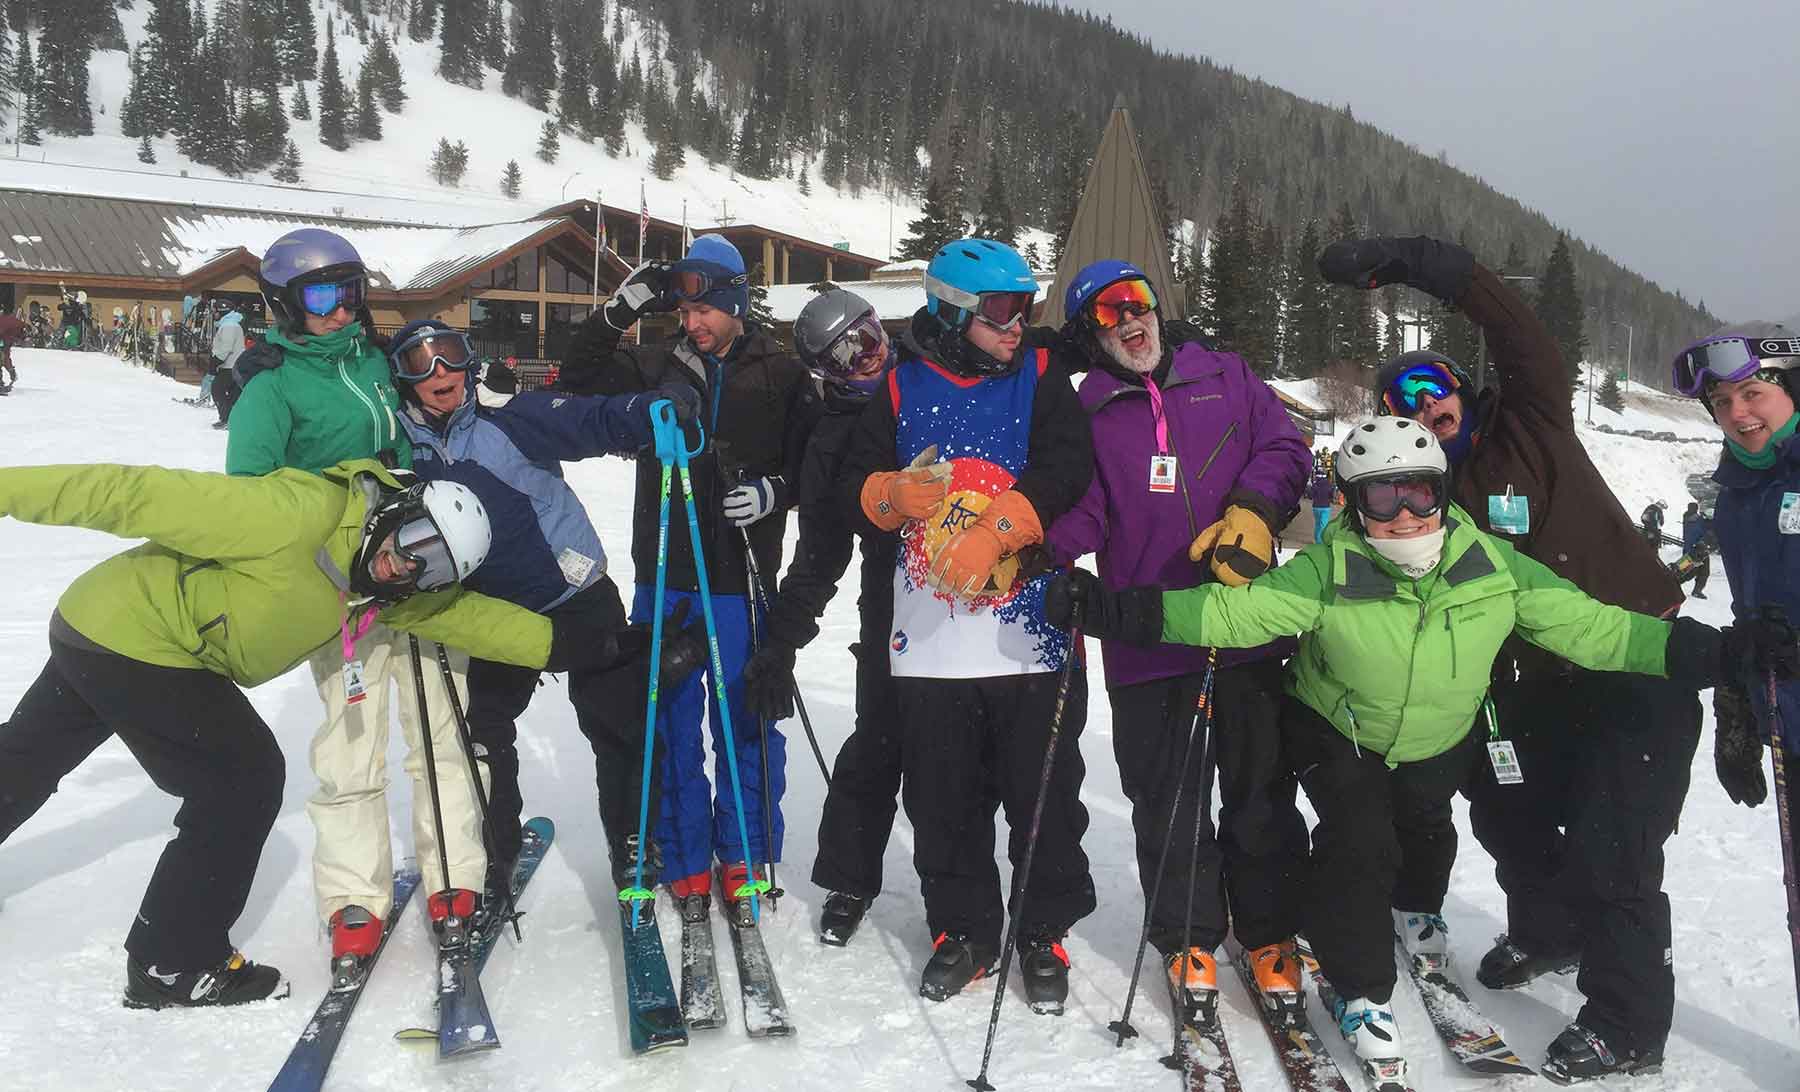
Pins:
x,y
753,404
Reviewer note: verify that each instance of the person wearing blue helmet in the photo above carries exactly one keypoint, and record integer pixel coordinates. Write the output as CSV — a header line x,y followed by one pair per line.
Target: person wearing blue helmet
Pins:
x,y
1196,468
973,446
753,395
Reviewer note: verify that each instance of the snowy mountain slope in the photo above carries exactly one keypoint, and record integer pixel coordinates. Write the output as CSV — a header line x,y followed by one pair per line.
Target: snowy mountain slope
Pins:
x,y
71,877
496,129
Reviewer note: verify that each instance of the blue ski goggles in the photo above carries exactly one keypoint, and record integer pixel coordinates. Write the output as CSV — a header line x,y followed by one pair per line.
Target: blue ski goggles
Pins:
x,y
417,358
1430,378
322,298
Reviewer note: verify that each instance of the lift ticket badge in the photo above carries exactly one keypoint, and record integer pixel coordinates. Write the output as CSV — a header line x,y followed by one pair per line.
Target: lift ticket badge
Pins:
x,y
1162,473
1788,522
353,682
1505,761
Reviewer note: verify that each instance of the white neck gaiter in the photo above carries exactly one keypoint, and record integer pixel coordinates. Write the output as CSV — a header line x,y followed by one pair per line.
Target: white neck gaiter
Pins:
x,y
1414,556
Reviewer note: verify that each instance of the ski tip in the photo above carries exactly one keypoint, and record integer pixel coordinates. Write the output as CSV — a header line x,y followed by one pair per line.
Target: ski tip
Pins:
x,y
416,1035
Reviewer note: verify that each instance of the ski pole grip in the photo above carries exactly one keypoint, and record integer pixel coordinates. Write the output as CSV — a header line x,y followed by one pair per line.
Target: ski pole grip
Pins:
x,y
664,431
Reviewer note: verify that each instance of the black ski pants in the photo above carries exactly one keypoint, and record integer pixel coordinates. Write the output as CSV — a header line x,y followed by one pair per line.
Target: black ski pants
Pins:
x,y
199,739
609,709
1578,847
1385,840
968,745
864,793
1259,853
225,391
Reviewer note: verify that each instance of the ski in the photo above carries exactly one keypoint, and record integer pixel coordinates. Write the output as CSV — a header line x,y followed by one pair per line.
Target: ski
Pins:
x,y
702,1005
1203,1057
304,1070
538,834
1471,1037
1383,1074
1303,1055
655,1013
765,1009
464,1024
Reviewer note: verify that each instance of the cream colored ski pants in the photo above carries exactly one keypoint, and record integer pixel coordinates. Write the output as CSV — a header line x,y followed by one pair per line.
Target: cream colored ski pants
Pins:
x,y
353,860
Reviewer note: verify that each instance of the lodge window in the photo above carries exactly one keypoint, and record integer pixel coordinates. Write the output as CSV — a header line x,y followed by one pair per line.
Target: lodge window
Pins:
x,y
520,274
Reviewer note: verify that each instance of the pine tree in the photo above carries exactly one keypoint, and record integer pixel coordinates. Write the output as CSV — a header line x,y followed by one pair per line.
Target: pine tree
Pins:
x,y
146,154
459,161
938,223
549,142
1309,308
169,50
608,116
297,41
997,220
511,179
803,180
64,48
6,67
670,156
334,100
1559,305
1353,332
390,83
441,160
368,110
459,55
288,170
1610,396
25,76
493,39
302,104
760,314
421,20
131,115
1393,339
531,64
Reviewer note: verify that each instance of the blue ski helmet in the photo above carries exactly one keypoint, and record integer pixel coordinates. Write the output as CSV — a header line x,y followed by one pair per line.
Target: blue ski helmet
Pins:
x,y
302,257
961,272
1093,277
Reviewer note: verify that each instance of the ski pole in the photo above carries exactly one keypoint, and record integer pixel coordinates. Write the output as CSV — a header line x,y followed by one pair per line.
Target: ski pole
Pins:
x,y
762,723
1208,752
762,601
1784,819
637,894
512,914
1122,1026
431,779
1023,876
670,435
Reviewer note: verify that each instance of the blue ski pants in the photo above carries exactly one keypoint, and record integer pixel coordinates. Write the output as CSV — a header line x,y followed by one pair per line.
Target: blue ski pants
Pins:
x,y
697,821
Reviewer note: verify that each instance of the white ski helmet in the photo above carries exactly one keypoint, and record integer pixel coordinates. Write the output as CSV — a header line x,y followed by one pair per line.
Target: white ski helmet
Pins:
x,y
1388,446
463,525
439,527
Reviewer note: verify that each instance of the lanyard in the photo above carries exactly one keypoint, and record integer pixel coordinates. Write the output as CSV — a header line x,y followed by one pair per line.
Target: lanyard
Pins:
x,y
363,625
1156,412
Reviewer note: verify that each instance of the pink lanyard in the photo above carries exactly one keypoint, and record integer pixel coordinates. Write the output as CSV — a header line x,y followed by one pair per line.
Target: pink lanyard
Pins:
x,y
1156,411
363,625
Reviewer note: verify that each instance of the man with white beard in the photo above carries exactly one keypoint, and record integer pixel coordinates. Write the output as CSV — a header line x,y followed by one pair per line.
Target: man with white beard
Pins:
x,y
1197,467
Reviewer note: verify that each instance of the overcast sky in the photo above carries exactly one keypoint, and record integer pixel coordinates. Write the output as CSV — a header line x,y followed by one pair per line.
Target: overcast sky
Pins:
x,y
1664,132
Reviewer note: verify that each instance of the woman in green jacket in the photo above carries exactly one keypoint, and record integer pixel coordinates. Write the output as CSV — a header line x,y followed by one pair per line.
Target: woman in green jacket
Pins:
x,y
1401,611
240,579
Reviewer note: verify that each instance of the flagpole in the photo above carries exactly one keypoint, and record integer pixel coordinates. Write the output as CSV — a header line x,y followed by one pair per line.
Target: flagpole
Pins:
x,y
599,244
643,229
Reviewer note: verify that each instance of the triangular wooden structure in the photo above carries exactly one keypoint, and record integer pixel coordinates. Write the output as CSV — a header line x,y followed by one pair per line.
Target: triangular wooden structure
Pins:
x,y
1117,219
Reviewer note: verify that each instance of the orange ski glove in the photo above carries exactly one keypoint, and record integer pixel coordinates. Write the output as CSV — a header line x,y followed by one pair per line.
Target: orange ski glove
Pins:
x,y
966,565
1242,544
891,497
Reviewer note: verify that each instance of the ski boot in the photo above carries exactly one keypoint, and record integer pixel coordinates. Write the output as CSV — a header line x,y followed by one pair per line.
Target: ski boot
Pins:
x,y
1194,976
1369,1028
1426,939
1582,1055
355,936
842,914
625,864
1510,967
741,912
452,916
955,962
1044,967
236,981
1277,970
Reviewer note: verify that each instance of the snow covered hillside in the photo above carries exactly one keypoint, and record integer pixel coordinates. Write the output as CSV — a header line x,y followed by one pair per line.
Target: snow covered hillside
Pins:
x,y
71,878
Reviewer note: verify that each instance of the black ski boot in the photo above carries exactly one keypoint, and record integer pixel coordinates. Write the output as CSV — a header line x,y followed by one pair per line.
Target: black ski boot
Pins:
x,y
236,981
625,862
842,914
955,962
1510,967
1582,1055
1044,966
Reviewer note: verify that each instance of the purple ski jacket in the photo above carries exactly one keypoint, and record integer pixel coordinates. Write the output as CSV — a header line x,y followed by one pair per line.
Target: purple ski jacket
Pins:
x,y
1229,434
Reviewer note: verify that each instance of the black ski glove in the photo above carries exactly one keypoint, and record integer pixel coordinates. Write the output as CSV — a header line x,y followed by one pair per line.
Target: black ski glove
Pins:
x,y
685,648
1700,656
769,683
1132,615
645,291
1441,269
1738,747
580,641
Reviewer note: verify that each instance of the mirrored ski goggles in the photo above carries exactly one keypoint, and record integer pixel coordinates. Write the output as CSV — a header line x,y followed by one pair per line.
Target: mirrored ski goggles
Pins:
x,y
690,283
1382,499
1119,301
1430,378
421,545
1004,311
1729,360
858,348
418,357
325,297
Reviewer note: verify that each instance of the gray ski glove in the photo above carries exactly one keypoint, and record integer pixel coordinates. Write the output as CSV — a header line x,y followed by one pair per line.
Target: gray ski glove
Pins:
x,y
645,292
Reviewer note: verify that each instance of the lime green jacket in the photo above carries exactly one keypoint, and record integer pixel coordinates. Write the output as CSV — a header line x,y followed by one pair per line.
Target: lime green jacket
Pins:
x,y
331,398
1400,666
240,576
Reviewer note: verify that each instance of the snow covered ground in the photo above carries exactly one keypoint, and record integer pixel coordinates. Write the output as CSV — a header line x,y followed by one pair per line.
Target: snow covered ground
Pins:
x,y
71,878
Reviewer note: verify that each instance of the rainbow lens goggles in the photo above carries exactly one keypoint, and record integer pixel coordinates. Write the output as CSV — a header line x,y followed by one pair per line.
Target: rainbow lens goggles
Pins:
x,y
1119,301
1430,378
323,298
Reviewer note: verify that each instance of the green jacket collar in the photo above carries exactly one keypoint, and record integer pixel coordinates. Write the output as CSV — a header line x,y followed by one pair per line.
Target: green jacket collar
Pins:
x,y
320,348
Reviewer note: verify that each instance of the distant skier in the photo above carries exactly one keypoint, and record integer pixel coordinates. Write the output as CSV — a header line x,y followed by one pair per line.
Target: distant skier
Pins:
x,y
1381,722
975,666
13,332
1577,890
1321,494
1696,536
1652,521
752,394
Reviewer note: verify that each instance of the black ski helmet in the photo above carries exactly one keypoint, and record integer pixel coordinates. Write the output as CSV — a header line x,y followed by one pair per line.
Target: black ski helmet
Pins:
x,y
1392,370
301,257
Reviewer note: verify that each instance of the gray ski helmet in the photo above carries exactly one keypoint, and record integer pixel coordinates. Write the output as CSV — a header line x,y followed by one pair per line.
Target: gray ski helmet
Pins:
x,y
822,321
304,256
